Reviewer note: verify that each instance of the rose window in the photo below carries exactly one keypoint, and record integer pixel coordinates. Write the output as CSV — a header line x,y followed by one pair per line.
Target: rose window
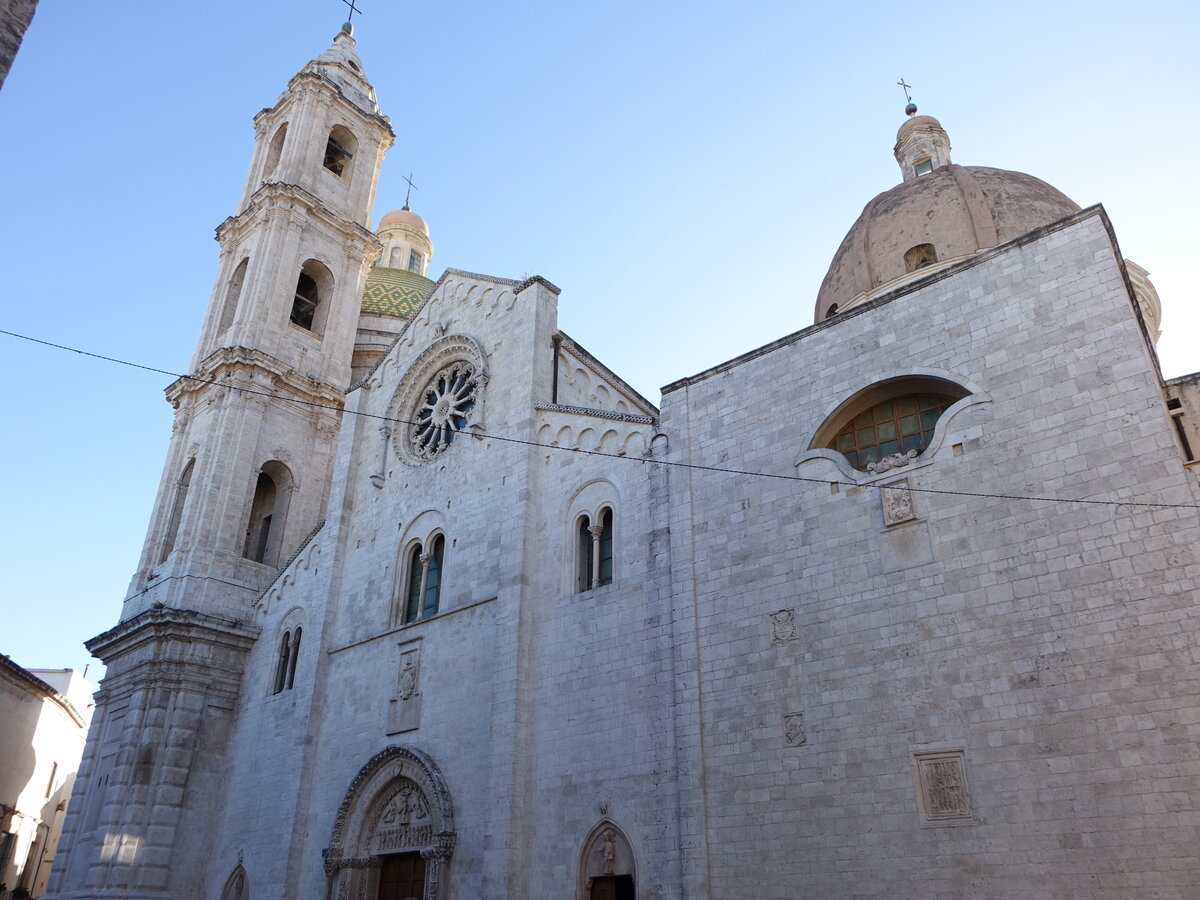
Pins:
x,y
444,409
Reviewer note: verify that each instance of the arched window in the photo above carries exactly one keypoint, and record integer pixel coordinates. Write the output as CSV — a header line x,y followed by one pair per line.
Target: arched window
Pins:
x,y
232,293
275,151
423,588
267,513
594,551
309,303
285,666
895,416
181,492
339,151
919,257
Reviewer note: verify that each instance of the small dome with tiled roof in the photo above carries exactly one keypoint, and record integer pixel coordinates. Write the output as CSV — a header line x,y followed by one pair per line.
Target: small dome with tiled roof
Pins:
x,y
394,292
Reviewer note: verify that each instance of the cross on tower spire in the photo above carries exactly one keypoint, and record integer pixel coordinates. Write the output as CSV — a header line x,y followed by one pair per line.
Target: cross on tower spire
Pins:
x,y
353,9
411,186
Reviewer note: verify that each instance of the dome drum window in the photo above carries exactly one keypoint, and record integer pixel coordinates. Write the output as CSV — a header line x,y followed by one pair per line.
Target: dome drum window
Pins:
x,y
923,166
919,257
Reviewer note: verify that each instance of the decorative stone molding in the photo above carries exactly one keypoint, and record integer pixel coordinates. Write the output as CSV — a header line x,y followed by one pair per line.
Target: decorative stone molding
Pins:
x,y
398,802
895,461
597,413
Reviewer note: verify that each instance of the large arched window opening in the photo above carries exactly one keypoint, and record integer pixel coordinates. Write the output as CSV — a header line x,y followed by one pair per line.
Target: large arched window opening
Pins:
x,y
310,303
893,417
423,585
268,512
232,294
181,492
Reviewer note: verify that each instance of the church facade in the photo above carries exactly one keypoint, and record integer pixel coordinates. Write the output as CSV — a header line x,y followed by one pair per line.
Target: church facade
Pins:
x,y
434,605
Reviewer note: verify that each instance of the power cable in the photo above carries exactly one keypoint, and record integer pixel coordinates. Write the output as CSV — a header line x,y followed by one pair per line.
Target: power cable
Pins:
x,y
580,450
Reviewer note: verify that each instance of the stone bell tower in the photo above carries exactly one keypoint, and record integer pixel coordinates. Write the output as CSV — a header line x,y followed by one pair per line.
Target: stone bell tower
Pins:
x,y
246,479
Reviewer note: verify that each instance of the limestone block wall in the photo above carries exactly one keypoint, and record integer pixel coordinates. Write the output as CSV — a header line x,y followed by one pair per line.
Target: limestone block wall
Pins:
x,y
14,19
990,692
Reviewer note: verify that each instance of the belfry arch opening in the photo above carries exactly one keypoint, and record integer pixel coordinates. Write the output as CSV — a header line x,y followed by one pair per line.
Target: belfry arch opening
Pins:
x,y
310,303
340,147
268,514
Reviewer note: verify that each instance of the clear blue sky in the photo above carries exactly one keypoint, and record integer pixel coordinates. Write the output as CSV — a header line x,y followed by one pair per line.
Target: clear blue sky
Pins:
x,y
684,171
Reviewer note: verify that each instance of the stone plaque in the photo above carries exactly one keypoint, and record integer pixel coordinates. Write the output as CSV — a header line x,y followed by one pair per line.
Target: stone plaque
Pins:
x,y
942,787
404,710
793,729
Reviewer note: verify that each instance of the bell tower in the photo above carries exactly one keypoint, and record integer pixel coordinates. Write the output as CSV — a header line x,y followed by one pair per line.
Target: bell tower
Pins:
x,y
245,481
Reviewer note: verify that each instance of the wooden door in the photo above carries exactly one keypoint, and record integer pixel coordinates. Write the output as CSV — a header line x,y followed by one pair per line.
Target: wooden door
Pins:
x,y
612,887
402,877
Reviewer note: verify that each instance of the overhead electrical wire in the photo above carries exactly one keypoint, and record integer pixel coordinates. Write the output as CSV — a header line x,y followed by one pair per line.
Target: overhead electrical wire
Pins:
x,y
661,462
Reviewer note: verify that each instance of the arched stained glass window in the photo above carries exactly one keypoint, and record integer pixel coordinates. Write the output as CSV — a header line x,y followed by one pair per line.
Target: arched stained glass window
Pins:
x,y
893,426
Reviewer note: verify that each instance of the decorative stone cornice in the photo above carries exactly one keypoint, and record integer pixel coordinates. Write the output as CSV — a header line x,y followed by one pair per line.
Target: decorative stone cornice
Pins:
x,y
241,364
307,80
596,413
538,279
165,622
271,195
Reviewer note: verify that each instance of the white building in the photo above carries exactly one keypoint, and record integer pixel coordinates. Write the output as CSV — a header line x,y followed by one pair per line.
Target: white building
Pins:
x,y
44,716
433,604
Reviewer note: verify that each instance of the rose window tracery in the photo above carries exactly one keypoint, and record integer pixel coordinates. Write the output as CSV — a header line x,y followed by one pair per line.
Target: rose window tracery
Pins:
x,y
444,409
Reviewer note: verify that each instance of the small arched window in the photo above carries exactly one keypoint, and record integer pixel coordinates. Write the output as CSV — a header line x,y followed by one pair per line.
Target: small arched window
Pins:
x,y
594,551
339,151
309,303
919,257
285,666
423,588
232,294
181,492
831,312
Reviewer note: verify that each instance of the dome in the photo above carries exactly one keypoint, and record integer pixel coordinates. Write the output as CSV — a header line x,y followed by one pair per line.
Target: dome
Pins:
x,y
403,218
936,214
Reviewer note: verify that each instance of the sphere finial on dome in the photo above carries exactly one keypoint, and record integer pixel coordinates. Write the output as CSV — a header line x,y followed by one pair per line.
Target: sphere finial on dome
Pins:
x,y
911,109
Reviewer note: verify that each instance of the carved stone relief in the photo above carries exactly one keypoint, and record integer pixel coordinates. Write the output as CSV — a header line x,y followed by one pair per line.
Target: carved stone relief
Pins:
x,y
783,626
793,729
942,786
897,502
404,710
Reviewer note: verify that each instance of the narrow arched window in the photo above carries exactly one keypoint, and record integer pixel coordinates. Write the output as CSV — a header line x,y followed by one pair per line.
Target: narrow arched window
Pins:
x,y
583,555
232,294
293,654
606,547
412,596
281,665
181,492
433,577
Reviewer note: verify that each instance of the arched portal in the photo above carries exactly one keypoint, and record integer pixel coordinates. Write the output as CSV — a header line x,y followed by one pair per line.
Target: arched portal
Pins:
x,y
607,868
395,828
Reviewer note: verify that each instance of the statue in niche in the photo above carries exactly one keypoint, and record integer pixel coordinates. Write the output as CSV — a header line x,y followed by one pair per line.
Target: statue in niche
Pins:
x,y
608,849
409,803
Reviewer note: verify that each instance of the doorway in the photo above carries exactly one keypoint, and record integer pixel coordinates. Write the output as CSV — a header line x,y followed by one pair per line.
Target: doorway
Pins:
x,y
612,887
403,877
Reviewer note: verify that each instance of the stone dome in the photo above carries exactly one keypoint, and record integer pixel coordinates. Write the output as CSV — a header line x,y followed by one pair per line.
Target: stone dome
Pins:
x,y
932,217
404,218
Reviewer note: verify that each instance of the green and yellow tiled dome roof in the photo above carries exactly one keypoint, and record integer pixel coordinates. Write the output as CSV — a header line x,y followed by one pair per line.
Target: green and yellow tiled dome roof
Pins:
x,y
394,292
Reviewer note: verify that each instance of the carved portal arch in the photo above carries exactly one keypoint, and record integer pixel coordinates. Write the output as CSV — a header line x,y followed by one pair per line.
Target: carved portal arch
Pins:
x,y
397,803
608,855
